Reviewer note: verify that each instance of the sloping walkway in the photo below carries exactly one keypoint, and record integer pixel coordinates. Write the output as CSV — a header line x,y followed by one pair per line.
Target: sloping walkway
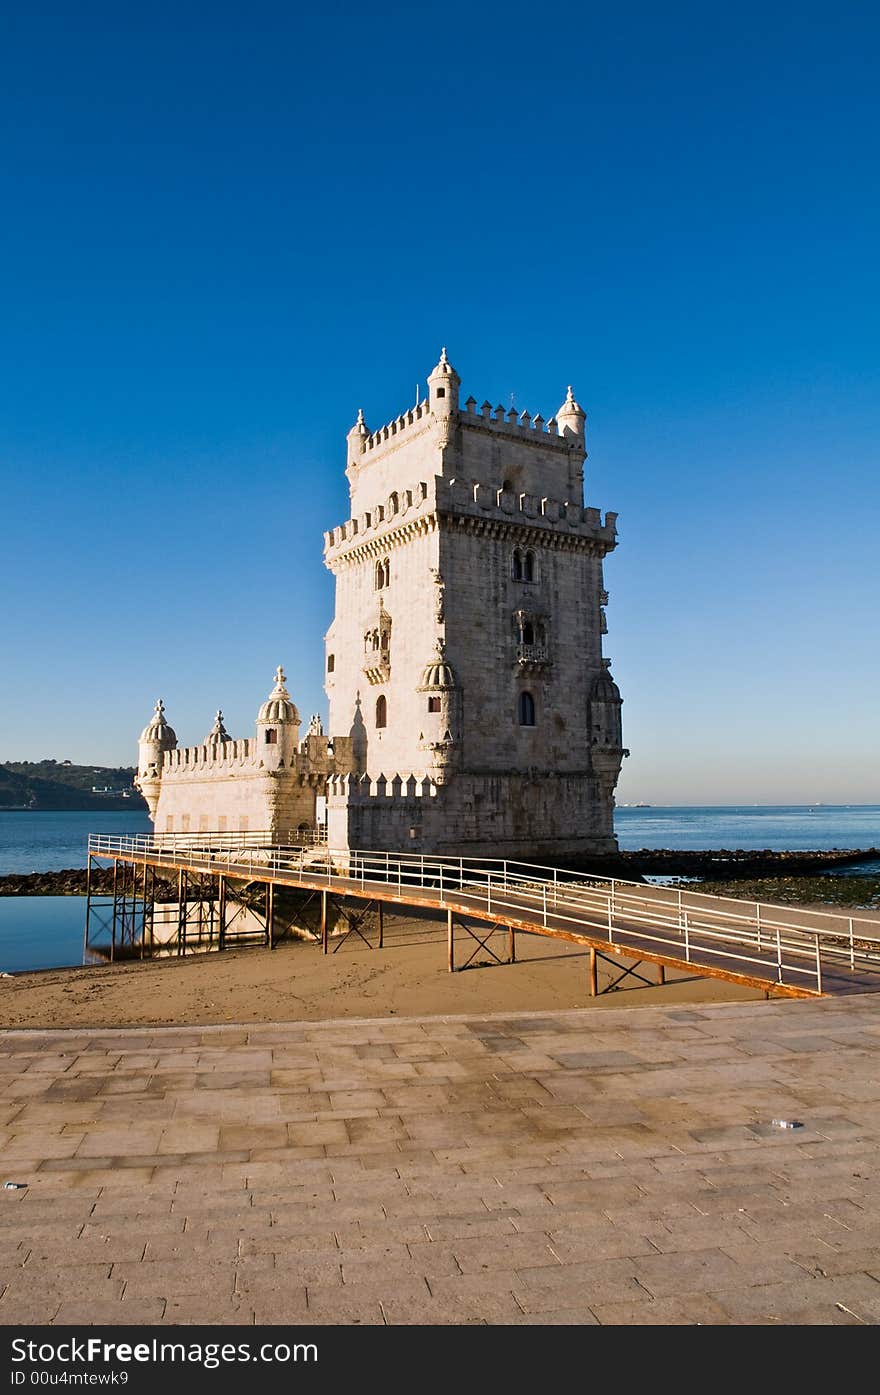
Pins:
x,y
621,1167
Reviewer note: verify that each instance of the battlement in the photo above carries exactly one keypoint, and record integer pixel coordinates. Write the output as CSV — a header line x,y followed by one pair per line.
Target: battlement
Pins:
x,y
558,515
222,756
521,425
377,520
510,422
420,415
359,789
459,496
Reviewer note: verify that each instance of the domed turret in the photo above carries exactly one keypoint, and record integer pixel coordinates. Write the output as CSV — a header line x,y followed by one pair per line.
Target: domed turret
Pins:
x,y
156,738
279,706
605,729
277,726
571,417
356,438
157,731
443,385
218,733
439,721
437,675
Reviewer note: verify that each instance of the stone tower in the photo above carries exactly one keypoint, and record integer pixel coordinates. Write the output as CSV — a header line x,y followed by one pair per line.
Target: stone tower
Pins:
x,y
465,661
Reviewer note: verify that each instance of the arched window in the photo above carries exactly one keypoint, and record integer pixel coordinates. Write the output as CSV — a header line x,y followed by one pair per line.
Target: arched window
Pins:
x,y
381,711
433,704
528,632
331,662
383,573
517,565
529,572
526,710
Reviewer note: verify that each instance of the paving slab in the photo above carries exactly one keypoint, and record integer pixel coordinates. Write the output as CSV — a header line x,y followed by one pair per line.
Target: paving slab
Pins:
x,y
543,1168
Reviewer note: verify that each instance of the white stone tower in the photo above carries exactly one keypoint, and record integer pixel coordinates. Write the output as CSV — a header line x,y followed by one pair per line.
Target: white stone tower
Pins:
x,y
465,658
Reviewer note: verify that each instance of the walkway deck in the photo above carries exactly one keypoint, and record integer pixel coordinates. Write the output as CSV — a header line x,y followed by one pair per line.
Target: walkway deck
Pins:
x,y
788,952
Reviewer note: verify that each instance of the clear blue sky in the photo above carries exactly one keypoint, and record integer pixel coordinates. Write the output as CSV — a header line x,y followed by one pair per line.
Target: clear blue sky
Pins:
x,y
227,227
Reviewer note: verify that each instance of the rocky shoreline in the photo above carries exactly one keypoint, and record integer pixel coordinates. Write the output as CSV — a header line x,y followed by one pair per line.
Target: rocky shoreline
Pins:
x,y
713,864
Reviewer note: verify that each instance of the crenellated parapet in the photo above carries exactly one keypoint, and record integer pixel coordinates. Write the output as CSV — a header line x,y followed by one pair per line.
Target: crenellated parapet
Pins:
x,y
362,789
547,518
412,512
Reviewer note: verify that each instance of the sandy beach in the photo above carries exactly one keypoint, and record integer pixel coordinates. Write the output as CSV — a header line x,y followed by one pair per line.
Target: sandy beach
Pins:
x,y
296,982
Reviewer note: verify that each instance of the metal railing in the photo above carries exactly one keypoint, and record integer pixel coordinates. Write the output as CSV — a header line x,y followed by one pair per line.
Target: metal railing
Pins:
x,y
787,946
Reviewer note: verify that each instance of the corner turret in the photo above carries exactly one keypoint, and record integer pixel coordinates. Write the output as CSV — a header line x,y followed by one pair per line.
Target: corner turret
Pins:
x,y
156,738
356,438
571,417
277,727
443,388
605,728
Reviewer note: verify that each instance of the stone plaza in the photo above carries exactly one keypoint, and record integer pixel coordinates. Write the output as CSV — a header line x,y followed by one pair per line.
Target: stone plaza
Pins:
x,y
629,1167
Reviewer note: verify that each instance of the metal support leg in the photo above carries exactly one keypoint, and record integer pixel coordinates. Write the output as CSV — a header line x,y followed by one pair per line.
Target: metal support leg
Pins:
x,y
115,909
594,984
181,913
270,914
450,935
381,925
89,906
661,973
221,935
324,921
512,945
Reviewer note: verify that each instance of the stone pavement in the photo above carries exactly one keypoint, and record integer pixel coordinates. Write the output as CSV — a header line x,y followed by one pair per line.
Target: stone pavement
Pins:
x,y
576,1167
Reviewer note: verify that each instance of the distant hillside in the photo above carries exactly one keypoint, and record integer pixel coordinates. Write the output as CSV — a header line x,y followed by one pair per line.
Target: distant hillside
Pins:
x,y
50,784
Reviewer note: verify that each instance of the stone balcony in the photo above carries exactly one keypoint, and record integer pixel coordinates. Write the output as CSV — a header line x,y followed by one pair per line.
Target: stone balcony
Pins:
x,y
531,657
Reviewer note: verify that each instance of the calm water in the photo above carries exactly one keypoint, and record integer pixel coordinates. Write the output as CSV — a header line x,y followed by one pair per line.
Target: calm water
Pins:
x,y
783,828
53,842
41,932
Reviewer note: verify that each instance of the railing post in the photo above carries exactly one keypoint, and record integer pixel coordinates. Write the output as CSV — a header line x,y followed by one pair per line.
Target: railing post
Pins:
x,y
687,940
488,891
441,883
818,965
544,890
779,954
852,946
758,921
555,889
611,915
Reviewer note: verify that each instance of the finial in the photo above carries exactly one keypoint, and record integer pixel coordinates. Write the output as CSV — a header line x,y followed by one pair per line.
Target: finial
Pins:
x,y
569,396
279,677
160,707
443,358
219,718
360,421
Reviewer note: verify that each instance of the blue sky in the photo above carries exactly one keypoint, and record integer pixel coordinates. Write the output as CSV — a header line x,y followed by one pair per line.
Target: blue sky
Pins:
x,y
226,229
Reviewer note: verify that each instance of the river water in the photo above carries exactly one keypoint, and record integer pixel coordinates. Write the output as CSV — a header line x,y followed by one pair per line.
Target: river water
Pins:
x,y
39,932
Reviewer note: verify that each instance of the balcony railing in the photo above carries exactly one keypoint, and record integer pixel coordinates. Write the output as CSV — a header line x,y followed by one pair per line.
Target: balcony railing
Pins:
x,y
532,654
